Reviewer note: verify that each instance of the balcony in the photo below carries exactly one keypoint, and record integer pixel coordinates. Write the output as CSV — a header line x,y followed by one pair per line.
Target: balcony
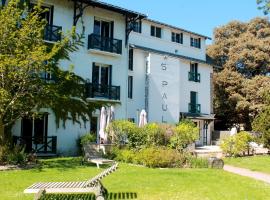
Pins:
x,y
196,77
194,108
105,44
39,145
107,92
52,33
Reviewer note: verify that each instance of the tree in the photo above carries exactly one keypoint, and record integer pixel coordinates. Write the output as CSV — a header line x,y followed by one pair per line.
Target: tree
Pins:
x,y
261,123
264,5
241,49
24,57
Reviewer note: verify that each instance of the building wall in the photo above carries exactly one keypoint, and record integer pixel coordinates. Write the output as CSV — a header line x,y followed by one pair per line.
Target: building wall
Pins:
x,y
177,89
165,44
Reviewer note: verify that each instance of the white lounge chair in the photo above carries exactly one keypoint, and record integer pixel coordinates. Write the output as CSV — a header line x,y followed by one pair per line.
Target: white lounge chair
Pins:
x,y
93,185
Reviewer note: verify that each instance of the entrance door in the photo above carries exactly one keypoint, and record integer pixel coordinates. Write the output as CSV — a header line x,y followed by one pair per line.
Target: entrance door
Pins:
x,y
27,133
34,131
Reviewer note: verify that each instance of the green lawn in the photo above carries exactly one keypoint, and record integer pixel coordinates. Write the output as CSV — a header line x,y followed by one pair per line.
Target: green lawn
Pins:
x,y
255,163
140,182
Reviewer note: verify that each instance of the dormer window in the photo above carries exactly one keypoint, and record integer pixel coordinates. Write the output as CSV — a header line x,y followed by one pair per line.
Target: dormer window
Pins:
x,y
137,26
177,37
195,42
156,31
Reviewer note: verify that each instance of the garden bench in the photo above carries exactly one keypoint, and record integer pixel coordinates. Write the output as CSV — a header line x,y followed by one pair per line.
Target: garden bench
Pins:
x,y
93,185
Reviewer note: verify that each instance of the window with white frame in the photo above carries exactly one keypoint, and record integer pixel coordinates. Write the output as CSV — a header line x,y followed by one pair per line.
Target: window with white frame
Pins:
x,y
177,37
156,31
195,42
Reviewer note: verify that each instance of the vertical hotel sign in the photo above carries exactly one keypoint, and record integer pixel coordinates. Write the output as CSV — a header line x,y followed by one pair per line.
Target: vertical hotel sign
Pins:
x,y
164,85
164,89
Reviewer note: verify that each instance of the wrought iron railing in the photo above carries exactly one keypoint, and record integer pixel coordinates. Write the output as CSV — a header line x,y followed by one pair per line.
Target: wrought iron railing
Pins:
x,y
44,145
192,76
104,44
52,33
194,108
102,91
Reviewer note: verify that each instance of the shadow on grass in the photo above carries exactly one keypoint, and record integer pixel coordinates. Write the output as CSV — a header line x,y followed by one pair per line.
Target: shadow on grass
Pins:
x,y
110,196
63,164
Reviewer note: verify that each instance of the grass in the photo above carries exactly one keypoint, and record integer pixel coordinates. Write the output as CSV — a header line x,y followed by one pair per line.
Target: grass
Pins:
x,y
255,163
133,182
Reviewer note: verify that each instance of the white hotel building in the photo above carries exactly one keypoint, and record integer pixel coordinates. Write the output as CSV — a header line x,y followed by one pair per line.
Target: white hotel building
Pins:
x,y
131,62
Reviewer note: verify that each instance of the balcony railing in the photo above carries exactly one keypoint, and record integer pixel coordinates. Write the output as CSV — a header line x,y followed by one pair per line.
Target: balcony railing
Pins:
x,y
102,91
194,108
104,44
52,33
44,145
192,76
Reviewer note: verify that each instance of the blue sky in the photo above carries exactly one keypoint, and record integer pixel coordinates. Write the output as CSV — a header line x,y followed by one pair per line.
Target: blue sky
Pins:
x,y
200,16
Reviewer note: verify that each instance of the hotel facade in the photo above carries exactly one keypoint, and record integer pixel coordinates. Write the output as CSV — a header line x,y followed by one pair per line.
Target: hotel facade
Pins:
x,y
131,62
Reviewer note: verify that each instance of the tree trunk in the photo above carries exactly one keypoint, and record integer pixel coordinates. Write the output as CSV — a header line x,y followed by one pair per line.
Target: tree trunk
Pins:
x,y
2,132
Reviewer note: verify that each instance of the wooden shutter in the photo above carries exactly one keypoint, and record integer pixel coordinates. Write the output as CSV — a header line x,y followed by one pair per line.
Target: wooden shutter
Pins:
x,y
112,27
193,97
110,75
95,74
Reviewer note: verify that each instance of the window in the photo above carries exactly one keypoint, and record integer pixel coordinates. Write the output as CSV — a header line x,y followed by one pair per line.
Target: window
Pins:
x,y
93,124
156,31
130,60
103,28
137,27
101,74
195,42
193,74
194,107
47,15
35,127
177,37
130,87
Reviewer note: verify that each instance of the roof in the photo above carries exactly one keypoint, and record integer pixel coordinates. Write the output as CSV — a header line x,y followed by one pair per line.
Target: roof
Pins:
x,y
177,28
169,54
113,8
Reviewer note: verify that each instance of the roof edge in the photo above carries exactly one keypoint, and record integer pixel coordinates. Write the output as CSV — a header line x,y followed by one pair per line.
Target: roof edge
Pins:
x,y
170,54
178,28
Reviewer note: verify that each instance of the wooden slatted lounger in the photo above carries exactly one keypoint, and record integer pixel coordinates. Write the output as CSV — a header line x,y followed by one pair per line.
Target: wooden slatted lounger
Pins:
x,y
93,185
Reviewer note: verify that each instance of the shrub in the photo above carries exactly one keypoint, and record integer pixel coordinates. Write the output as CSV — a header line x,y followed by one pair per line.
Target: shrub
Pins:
x,y
88,138
126,132
237,144
155,135
160,157
4,150
262,125
185,133
196,162
17,156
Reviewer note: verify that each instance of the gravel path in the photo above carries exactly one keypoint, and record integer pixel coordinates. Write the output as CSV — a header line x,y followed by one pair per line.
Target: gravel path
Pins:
x,y
246,172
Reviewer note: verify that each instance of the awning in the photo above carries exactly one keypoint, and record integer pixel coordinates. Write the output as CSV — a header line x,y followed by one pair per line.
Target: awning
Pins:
x,y
199,116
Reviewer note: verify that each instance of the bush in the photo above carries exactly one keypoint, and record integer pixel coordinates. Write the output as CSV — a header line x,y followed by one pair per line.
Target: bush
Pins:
x,y
262,125
126,132
160,157
4,151
185,133
196,162
155,135
237,144
88,138
17,156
